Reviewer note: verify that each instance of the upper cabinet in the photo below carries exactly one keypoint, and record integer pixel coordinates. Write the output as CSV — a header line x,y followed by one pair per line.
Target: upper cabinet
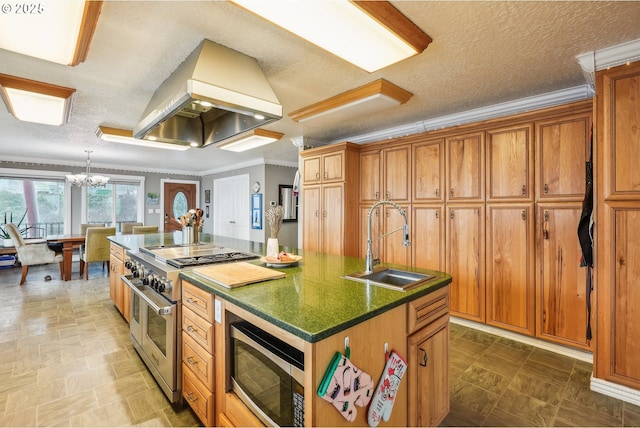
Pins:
x,y
324,168
396,164
428,171
561,152
465,168
509,163
370,176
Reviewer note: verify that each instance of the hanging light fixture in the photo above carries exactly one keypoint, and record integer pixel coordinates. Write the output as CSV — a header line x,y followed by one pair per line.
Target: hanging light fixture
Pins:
x,y
87,179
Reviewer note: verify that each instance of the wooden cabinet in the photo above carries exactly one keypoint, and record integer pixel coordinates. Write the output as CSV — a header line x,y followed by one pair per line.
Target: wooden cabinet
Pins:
x,y
198,378
428,358
394,250
465,168
118,290
428,236
330,203
618,225
510,267
396,173
561,152
510,163
376,230
465,260
428,171
561,310
370,168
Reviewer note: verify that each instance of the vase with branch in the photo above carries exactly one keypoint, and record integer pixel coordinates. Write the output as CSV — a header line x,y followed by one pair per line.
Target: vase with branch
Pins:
x,y
274,216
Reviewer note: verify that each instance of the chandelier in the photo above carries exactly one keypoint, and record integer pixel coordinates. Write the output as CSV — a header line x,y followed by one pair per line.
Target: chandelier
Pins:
x,y
87,179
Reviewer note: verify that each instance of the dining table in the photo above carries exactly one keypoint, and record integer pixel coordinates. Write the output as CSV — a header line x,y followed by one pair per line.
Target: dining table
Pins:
x,y
69,242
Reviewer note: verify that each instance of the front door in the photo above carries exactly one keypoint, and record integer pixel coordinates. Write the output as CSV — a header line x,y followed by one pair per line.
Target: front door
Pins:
x,y
178,199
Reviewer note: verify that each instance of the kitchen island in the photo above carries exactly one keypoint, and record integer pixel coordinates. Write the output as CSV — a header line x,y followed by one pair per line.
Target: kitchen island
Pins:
x,y
316,310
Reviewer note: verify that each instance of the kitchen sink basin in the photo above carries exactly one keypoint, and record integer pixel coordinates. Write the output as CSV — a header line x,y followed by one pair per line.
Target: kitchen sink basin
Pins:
x,y
391,278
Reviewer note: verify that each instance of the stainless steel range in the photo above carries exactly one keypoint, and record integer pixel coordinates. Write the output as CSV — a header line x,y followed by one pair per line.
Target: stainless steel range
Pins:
x,y
156,318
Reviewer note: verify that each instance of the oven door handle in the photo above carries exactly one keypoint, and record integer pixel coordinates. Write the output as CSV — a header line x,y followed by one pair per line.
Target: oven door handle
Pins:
x,y
153,301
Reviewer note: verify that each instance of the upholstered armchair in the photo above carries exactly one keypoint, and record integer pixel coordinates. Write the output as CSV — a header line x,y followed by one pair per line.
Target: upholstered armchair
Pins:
x,y
127,228
96,247
32,254
144,229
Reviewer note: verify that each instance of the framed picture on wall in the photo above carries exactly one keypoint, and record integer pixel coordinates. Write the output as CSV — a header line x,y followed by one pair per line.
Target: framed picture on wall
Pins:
x,y
256,211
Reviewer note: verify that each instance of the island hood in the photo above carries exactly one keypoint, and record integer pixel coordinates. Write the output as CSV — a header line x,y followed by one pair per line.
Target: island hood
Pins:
x,y
215,94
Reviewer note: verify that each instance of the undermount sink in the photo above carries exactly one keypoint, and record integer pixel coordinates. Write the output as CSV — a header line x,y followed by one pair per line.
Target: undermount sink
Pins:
x,y
391,278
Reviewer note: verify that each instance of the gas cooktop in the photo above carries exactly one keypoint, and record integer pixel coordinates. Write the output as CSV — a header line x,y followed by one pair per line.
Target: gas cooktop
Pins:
x,y
233,256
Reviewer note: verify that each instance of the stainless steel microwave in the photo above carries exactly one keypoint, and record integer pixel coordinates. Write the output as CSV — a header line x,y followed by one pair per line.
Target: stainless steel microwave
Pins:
x,y
267,374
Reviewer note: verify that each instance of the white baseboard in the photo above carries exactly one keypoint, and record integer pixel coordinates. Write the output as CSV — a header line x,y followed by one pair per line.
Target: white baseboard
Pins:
x,y
610,389
552,347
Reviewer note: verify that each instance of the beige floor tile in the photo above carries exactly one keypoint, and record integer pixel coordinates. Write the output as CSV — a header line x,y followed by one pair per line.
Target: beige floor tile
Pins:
x,y
116,414
57,411
121,388
33,395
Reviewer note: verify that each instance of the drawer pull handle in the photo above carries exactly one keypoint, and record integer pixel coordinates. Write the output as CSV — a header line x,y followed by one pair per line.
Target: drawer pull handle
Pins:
x,y
546,189
191,329
425,358
190,300
191,398
190,360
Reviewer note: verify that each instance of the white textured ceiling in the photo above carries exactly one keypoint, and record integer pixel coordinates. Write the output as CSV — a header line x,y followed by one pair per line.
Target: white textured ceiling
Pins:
x,y
483,53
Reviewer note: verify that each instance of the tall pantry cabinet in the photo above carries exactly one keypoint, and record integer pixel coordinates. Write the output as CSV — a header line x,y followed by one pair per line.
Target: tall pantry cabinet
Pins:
x,y
617,202
330,199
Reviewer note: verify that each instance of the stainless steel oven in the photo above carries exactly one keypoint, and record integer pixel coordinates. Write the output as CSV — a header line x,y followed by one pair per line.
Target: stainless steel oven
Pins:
x,y
156,307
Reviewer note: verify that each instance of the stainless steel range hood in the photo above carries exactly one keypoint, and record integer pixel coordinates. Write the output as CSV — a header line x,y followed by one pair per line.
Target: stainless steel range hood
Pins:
x,y
215,94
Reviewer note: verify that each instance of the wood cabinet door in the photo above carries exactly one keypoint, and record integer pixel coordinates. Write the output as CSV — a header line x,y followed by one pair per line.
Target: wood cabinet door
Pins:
x,y
114,290
332,229
427,237
333,167
561,307
428,171
376,228
562,150
394,249
311,168
396,166
465,260
510,267
510,163
465,168
428,376
370,176
311,207
621,123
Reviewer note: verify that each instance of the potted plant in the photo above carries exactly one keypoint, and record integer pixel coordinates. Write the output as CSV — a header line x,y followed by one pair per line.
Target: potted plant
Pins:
x,y
4,235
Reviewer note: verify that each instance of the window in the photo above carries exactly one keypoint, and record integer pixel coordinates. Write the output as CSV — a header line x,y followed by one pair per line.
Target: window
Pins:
x,y
120,201
37,201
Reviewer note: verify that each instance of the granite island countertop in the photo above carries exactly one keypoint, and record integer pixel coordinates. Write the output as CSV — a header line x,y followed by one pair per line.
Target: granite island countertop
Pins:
x,y
313,301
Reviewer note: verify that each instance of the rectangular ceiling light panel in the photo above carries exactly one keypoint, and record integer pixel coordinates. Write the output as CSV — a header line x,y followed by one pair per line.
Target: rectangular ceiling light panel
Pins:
x,y
123,136
346,29
250,140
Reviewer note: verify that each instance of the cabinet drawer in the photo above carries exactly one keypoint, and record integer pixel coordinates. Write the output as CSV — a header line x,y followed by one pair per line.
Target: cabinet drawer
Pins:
x,y
198,300
198,328
426,309
198,360
116,251
198,397
238,414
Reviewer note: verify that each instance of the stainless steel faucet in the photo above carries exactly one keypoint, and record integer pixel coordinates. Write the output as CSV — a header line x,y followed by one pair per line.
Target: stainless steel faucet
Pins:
x,y
369,261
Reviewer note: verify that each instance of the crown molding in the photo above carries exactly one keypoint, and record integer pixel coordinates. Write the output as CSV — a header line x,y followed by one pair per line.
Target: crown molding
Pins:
x,y
550,99
593,61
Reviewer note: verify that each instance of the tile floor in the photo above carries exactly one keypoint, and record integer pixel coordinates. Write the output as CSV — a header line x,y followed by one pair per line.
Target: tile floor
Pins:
x,y
66,360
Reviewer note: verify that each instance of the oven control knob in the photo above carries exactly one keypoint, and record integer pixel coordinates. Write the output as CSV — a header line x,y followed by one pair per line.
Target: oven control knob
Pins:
x,y
127,264
161,287
145,280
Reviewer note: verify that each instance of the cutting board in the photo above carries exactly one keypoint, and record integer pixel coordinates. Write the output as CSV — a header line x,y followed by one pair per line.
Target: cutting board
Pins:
x,y
237,274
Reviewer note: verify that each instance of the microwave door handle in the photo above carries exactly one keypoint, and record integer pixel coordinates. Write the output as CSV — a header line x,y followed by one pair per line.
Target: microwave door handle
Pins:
x,y
158,309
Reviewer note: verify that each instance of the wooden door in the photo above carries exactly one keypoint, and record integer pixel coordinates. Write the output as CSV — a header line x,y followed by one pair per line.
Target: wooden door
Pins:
x,y
561,307
311,207
561,150
370,176
394,249
428,379
178,199
332,229
510,163
333,167
427,237
428,171
465,260
465,166
311,169
510,267
396,170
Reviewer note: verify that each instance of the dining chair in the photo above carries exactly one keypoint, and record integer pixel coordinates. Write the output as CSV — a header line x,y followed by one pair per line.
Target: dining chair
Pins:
x,y
127,228
144,229
96,247
32,254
